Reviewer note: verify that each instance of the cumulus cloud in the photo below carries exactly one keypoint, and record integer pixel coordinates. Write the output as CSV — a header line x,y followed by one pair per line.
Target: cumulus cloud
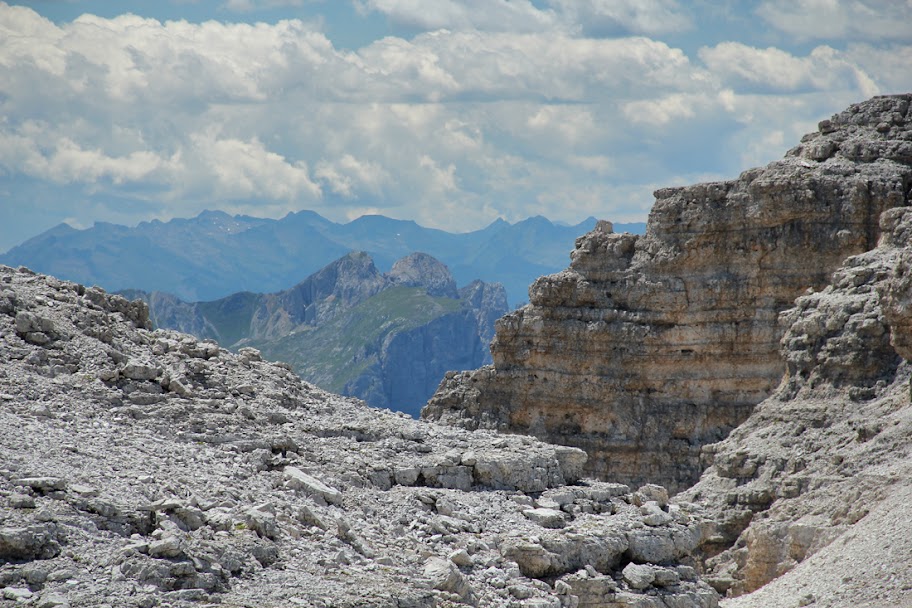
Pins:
x,y
242,169
348,177
600,17
548,66
35,149
889,65
840,19
774,69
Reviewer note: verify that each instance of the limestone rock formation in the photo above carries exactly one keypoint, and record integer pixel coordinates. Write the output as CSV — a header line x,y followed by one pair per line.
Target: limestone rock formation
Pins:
x,y
649,347
148,468
810,497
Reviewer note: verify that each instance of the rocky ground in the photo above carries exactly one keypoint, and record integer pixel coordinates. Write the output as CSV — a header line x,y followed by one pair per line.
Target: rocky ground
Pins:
x,y
146,468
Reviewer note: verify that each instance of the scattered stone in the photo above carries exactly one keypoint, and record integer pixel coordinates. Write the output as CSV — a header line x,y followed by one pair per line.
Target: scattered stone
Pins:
x,y
444,576
84,490
17,594
654,493
136,370
53,600
665,577
42,484
461,558
35,541
168,546
296,479
548,518
653,515
22,501
639,576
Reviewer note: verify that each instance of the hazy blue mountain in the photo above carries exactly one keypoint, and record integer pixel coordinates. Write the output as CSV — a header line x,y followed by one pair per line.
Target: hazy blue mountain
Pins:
x,y
387,338
215,254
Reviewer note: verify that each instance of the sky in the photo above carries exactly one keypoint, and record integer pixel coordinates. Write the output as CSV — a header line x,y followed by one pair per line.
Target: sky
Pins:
x,y
452,113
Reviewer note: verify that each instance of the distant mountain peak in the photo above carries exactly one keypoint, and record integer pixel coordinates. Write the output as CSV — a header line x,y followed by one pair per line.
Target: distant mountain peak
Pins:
x,y
423,270
356,265
535,220
62,228
207,214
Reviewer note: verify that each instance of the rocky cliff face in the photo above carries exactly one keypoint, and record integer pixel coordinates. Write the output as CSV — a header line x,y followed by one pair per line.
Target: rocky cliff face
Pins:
x,y
813,491
649,347
489,303
147,468
413,362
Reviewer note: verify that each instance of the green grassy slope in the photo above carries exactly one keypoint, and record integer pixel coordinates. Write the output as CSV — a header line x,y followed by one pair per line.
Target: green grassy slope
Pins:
x,y
339,351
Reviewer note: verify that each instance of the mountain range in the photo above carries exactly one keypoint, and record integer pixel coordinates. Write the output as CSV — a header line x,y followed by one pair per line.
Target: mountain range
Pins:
x,y
386,338
215,254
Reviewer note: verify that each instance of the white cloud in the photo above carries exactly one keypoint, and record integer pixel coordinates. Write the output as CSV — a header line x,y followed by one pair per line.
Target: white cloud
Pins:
x,y
70,162
600,164
488,15
552,66
875,20
773,69
348,177
441,179
571,124
890,65
246,6
623,16
663,110
38,151
242,169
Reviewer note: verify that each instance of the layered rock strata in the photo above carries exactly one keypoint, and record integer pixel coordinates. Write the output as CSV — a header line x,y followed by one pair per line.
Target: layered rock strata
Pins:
x,y
649,347
147,468
811,495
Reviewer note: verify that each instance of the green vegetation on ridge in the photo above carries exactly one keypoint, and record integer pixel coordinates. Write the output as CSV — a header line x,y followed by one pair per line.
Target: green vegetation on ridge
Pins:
x,y
337,352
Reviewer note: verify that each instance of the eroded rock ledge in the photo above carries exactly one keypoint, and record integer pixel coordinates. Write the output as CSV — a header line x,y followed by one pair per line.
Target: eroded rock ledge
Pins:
x,y
648,348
